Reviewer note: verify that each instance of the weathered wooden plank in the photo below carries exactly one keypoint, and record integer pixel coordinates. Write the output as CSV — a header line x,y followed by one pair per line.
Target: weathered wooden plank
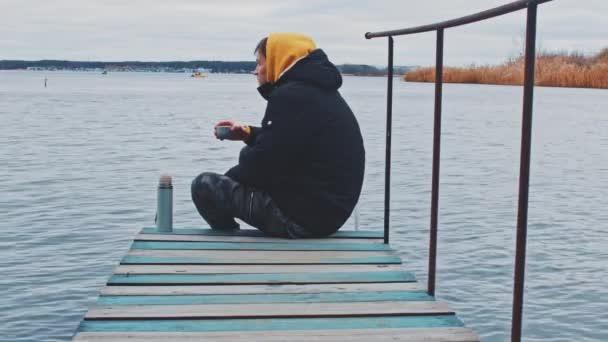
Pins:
x,y
256,289
438,334
259,255
268,310
132,260
250,269
260,239
375,323
394,296
264,278
341,234
263,246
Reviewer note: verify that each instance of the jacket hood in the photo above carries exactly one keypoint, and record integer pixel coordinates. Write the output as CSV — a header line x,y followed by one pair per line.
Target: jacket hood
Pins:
x,y
283,50
314,69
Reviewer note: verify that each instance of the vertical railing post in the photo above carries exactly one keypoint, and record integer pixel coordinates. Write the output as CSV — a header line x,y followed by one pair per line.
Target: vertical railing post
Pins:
x,y
389,124
524,175
436,159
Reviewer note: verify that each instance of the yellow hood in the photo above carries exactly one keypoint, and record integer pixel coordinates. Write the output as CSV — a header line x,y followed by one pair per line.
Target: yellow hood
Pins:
x,y
283,50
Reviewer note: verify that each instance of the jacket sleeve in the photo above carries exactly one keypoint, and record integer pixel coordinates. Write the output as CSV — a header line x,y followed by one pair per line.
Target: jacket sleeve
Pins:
x,y
255,131
272,146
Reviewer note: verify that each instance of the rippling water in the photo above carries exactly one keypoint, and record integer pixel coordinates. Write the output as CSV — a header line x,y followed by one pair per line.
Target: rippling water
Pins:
x,y
81,158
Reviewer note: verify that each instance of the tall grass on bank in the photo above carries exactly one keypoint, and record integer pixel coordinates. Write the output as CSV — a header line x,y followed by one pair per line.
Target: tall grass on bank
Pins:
x,y
552,70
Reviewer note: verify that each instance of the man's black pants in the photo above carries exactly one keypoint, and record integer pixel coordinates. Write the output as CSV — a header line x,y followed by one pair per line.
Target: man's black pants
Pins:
x,y
219,199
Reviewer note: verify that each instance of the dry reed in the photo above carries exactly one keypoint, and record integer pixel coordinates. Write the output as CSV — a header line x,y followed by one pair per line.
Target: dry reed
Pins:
x,y
552,70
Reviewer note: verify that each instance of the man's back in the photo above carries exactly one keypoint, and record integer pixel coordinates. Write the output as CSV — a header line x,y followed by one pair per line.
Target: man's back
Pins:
x,y
309,152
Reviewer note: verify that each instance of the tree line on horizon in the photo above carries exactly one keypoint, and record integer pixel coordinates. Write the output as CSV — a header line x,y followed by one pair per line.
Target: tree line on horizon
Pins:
x,y
212,66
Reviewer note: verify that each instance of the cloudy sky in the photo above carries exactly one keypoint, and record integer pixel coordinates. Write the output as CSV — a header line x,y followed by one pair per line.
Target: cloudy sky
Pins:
x,y
163,30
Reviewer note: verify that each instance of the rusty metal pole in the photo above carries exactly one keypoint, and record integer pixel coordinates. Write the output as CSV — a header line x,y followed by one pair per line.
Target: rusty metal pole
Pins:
x,y
389,125
436,159
524,175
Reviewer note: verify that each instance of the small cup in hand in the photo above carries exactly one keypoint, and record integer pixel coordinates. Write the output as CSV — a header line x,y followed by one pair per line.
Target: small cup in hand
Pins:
x,y
222,132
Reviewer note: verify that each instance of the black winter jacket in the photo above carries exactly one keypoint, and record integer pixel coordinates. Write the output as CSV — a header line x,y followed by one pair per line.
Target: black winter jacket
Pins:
x,y
308,154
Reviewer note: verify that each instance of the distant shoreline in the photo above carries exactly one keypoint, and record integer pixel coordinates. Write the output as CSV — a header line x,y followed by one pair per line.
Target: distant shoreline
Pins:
x,y
100,66
572,70
242,67
174,72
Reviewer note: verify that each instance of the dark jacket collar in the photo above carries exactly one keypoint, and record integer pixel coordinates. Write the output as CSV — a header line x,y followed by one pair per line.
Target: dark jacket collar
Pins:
x,y
315,69
266,89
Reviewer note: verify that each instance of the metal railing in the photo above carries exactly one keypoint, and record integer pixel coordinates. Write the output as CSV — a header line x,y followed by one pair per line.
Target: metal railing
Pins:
x,y
526,137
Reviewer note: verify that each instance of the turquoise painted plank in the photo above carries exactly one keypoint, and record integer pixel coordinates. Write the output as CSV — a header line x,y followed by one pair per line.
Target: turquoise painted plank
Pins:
x,y
345,234
260,246
133,259
277,324
393,296
263,278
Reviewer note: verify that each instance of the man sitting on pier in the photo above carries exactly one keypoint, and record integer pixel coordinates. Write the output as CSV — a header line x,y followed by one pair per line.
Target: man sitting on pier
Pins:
x,y
300,173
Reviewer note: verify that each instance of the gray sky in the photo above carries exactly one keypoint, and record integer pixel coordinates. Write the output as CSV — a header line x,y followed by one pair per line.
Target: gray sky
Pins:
x,y
163,30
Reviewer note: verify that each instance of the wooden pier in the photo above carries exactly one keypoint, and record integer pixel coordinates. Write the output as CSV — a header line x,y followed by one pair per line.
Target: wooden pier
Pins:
x,y
204,285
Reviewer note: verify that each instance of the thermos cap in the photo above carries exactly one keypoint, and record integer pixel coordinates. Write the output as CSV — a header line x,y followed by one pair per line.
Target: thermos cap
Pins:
x,y
165,181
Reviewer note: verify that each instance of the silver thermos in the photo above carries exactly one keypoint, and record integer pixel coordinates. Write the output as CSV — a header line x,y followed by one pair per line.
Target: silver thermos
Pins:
x,y
164,205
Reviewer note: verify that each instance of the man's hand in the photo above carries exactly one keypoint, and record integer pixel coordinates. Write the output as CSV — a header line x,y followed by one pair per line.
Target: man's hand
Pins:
x,y
236,131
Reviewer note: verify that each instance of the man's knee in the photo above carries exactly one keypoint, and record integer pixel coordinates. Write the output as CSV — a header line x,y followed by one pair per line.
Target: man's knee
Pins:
x,y
204,186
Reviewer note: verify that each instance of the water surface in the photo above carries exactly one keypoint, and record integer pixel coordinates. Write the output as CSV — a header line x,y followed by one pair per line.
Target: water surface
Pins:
x,y
81,158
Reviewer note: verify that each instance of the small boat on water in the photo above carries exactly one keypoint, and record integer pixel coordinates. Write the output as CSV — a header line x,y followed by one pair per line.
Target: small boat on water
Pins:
x,y
198,75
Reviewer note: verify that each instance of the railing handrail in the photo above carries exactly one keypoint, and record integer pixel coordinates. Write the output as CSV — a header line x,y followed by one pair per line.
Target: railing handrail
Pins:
x,y
526,138
483,15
